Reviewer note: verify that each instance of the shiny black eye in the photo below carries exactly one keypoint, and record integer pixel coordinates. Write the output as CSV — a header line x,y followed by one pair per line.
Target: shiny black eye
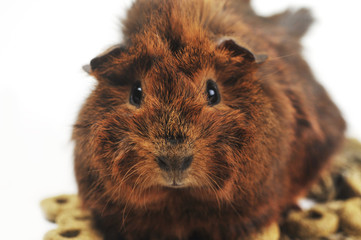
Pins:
x,y
212,93
136,94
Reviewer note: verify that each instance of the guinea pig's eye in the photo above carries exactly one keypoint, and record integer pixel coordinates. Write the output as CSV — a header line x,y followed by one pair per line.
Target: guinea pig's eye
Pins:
x,y
212,93
136,94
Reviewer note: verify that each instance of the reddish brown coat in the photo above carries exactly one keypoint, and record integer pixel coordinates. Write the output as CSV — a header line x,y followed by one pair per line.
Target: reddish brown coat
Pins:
x,y
254,154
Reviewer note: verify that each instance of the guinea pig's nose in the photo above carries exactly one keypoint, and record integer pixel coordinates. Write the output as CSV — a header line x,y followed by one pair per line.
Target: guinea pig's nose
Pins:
x,y
170,163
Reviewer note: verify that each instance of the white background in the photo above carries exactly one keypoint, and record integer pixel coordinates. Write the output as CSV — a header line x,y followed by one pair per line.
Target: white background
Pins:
x,y
43,45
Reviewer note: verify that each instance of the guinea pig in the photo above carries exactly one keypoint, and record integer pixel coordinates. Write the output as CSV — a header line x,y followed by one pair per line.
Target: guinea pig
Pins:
x,y
205,122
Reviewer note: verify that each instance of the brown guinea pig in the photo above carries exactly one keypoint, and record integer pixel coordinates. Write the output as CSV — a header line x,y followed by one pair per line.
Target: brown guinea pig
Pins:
x,y
205,123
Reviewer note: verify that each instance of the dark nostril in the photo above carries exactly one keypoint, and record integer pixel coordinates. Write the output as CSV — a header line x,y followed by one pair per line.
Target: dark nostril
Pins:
x,y
186,162
163,163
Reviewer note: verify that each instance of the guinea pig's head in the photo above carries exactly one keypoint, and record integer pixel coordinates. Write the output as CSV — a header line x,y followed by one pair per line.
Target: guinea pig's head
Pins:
x,y
170,116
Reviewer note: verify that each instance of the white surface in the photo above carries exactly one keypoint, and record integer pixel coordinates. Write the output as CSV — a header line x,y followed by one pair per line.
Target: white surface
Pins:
x,y
43,45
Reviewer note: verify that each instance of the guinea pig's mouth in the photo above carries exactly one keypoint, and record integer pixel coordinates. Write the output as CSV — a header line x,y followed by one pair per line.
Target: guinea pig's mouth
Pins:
x,y
176,184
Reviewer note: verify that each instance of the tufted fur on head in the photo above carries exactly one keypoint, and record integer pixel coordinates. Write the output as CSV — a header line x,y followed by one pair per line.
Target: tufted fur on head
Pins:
x,y
175,166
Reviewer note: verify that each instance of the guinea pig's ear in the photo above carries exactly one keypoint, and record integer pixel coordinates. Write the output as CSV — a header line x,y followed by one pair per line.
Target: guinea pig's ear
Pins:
x,y
237,50
102,59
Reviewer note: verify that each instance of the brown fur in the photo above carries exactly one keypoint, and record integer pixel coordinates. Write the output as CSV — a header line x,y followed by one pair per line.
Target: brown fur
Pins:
x,y
255,153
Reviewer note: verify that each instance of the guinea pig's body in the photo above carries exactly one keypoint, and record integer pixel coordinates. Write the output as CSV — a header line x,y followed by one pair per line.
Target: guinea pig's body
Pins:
x,y
206,123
